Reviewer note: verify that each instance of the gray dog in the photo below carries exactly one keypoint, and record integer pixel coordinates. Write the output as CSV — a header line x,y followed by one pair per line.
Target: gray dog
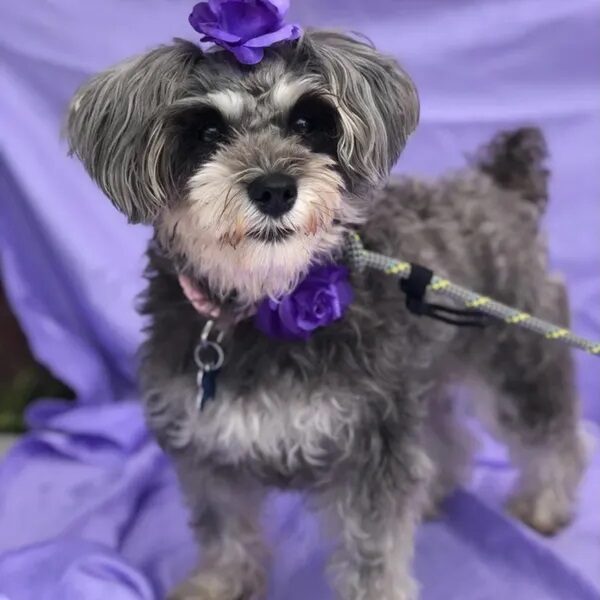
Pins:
x,y
250,175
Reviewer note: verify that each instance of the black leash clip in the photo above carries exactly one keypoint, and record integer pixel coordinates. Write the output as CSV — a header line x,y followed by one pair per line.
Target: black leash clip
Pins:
x,y
415,287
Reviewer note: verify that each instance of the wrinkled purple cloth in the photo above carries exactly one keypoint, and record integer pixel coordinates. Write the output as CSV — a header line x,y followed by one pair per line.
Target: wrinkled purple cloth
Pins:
x,y
89,507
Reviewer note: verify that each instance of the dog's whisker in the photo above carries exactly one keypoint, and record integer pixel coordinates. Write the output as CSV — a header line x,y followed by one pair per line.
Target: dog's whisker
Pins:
x,y
228,200
324,209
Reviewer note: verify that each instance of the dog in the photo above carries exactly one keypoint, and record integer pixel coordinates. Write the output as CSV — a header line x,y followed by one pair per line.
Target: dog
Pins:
x,y
250,175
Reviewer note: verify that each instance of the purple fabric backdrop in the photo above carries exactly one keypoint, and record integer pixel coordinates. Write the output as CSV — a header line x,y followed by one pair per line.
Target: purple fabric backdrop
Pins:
x,y
88,505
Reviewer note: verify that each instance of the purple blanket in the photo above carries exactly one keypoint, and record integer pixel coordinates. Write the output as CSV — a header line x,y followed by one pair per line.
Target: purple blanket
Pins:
x,y
89,507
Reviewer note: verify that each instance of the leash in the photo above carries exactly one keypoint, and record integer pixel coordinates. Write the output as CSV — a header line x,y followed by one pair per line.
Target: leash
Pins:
x,y
415,280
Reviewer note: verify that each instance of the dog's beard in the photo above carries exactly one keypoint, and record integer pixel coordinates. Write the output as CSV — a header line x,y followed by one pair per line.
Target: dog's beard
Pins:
x,y
225,240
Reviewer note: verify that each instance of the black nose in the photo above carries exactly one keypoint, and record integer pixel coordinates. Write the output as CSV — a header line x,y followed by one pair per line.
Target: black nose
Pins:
x,y
274,194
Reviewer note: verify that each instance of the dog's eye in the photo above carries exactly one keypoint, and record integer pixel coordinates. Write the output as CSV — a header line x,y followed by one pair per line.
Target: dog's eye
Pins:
x,y
211,134
315,121
205,127
194,133
301,125
211,127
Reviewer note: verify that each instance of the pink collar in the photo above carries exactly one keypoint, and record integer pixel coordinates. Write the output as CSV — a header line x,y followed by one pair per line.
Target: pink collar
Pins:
x,y
198,299
206,307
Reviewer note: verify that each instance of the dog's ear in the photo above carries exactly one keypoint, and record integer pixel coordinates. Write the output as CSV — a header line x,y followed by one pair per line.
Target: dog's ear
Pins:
x,y
111,121
376,99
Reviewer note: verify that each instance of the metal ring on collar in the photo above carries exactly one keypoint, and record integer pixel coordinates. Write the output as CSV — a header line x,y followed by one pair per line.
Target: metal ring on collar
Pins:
x,y
206,366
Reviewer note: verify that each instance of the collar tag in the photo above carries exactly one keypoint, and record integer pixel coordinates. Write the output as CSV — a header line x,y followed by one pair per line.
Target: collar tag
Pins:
x,y
209,357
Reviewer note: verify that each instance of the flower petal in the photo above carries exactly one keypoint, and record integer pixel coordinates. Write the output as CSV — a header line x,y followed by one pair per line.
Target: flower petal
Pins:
x,y
334,303
321,274
279,7
289,316
307,318
247,20
287,32
202,13
216,33
345,294
267,320
215,5
247,56
321,298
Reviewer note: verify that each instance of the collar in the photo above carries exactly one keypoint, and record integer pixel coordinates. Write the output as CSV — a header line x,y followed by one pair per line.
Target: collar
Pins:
x,y
320,298
208,308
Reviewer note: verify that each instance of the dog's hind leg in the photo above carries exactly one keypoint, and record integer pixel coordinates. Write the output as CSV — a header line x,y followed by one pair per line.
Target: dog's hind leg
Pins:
x,y
534,409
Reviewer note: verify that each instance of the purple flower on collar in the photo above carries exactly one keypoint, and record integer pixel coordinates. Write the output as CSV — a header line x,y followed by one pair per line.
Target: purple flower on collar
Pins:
x,y
319,299
244,27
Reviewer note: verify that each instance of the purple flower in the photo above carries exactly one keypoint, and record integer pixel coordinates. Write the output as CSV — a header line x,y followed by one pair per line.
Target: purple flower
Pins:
x,y
321,298
244,27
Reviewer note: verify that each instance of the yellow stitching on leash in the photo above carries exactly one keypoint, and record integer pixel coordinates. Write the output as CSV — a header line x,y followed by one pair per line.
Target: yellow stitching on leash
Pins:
x,y
519,318
556,335
397,268
481,301
440,284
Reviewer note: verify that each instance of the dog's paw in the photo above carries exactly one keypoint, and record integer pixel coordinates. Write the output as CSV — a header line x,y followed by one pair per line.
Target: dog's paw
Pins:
x,y
546,511
214,585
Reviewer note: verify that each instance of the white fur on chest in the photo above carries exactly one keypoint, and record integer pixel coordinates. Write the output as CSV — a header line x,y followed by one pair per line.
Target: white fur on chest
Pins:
x,y
283,422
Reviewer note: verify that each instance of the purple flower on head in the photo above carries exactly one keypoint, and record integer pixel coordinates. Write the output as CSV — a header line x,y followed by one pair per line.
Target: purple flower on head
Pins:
x,y
244,27
319,299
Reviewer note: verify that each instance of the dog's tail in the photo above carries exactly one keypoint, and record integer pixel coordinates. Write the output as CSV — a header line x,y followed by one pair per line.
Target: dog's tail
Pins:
x,y
515,160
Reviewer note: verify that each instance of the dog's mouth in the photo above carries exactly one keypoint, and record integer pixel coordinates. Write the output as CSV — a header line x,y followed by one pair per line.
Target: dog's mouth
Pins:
x,y
271,236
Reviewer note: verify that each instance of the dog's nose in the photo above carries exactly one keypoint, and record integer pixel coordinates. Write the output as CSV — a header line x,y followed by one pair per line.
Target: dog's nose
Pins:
x,y
274,194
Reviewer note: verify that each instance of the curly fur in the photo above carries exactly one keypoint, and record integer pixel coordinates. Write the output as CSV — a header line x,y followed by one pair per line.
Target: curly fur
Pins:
x,y
359,416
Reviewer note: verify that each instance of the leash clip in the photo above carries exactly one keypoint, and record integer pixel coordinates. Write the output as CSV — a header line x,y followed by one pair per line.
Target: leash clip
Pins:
x,y
415,287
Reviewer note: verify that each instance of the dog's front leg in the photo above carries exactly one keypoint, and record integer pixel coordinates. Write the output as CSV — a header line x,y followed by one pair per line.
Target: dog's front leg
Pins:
x,y
225,511
377,510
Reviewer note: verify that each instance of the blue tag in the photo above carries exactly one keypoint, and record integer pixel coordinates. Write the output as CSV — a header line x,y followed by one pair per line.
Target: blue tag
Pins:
x,y
209,386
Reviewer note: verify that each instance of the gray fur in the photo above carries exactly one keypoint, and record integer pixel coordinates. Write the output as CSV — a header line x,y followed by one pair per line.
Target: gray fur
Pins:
x,y
112,118
377,100
359,416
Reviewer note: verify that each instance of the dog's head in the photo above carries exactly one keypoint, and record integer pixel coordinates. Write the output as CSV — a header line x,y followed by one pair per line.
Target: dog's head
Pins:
x,y
248,173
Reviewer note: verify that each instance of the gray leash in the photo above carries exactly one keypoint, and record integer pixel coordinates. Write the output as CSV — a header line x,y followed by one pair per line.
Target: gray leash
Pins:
x,y
360,258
